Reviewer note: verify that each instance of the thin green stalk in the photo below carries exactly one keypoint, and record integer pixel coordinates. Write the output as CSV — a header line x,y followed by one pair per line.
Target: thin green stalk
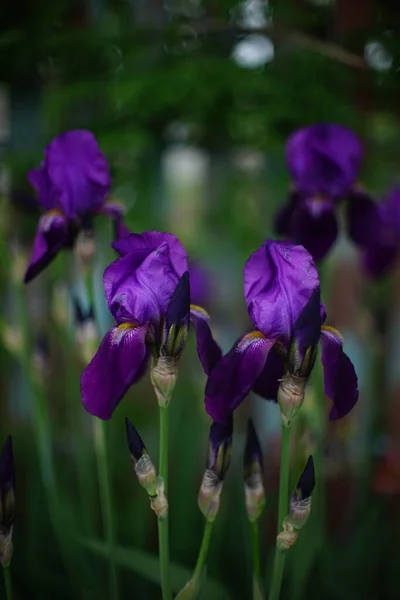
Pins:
x,y
280,556
163,522
255,545
8,583
205,544
106,502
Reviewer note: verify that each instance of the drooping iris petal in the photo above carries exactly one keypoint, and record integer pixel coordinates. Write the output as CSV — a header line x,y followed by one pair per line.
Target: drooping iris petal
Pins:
x,y
314,226
279,279
78,172
51,235
208,350
340,379
324,159
119,362
267,383
378,258
234,375
362,218
151,240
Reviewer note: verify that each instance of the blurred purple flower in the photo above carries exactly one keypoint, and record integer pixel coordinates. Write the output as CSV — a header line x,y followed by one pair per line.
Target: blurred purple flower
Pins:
x,y
324,161
282,293
377,232
72,183
200,284
147,291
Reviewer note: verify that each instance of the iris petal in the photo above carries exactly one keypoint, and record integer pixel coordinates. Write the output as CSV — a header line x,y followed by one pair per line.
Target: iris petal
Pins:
x,y
208,350
51,235
234,375
340,379
118,363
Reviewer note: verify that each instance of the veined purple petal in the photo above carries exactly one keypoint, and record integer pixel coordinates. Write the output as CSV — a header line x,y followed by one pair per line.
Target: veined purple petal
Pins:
x,y
51,235
119,362
314,226
78,173
324,159
340,379
151,240
279,279
208,350
234,375
143,295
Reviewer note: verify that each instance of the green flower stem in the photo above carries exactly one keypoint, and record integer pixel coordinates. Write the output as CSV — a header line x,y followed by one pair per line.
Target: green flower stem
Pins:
x,y
163,522
280,555
205,544
106,501
255,545
8,583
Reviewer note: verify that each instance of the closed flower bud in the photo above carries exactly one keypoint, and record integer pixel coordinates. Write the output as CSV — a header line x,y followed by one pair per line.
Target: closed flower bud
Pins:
x,y
253,474
164,374
286,539
300,504
144,468
158,501
291,393
86,333
217,464
7,502
177,320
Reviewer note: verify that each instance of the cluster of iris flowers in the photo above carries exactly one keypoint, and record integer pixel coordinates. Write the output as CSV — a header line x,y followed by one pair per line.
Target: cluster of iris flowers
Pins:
x,y
154,293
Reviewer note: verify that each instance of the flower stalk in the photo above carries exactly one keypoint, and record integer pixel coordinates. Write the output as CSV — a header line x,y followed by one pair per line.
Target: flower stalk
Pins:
x,y
8,583
163,522
280,555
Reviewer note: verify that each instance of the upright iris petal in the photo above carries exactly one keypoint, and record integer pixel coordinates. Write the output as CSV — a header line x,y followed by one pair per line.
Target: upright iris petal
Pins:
x,y
147,292
323,160
282,293
72,183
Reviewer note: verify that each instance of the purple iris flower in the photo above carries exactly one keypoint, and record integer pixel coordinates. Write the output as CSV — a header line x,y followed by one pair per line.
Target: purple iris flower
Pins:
x,y
377,232
148,294
324,161
73,183
282,293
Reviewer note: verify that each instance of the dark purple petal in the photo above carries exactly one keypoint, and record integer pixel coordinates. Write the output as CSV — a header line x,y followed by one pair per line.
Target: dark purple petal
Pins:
x,y
220,446
51,235
7,486
377,259
279,279
234,375
284,216
135,443
267,383
340,379
118,363
7,475
306,482
77,173
151,240
362,218
177,319
305,337
200,284
139,289
324,159
208,350
314,226
252,459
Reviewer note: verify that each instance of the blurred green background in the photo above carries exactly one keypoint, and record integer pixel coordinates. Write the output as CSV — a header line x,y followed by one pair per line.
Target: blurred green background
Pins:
x,y
192,102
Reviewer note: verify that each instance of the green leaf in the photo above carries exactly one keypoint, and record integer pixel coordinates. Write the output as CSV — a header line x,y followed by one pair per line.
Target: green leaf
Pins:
x,y
147,565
